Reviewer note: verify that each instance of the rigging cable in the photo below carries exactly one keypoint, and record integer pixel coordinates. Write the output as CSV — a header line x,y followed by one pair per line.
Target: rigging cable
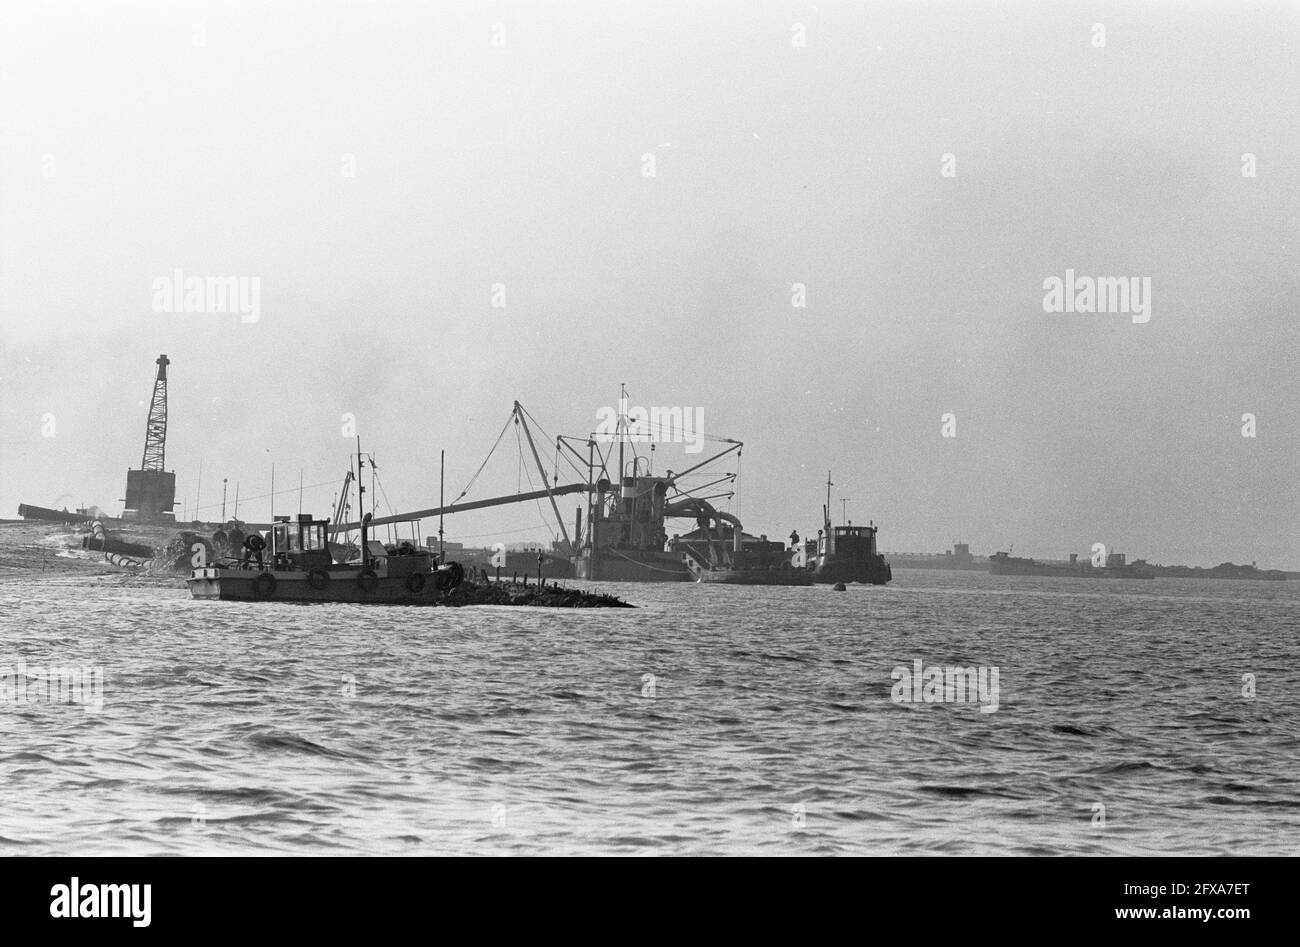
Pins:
x,y
524,468
485,460
578,471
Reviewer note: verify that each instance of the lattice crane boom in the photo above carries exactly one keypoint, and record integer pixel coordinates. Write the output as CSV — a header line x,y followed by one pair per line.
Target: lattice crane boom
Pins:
x,y
155,432
151,490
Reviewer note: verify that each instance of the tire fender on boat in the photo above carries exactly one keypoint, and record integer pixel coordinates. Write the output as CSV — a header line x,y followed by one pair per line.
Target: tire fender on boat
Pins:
x,y
415,583
264,586
368,580
318,579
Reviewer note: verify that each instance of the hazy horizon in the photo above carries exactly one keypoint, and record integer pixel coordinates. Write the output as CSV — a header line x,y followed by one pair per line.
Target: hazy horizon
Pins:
x,y
383,170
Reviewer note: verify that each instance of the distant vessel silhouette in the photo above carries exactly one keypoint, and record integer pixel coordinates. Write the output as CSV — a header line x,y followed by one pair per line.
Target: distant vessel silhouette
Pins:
x,y
1116,567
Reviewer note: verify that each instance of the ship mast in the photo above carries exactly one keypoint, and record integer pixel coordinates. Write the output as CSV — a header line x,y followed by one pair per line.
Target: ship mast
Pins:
x,y
361,510
361,490
622,433
826,510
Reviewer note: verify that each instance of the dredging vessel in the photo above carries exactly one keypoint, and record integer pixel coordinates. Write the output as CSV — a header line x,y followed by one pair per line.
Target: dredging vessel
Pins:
x,y
626,536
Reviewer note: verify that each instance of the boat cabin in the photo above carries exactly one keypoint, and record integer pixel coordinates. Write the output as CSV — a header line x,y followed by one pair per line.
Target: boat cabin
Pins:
x,y
302,543
845,540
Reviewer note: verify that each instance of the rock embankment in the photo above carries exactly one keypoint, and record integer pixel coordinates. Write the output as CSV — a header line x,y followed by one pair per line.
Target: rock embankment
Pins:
x,y
514,593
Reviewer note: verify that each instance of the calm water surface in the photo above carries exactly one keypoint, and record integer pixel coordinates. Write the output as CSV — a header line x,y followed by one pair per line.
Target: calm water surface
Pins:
x,y
767,725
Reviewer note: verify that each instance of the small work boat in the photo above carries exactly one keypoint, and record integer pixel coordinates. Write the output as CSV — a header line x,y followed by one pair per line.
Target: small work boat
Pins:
x,y
301,568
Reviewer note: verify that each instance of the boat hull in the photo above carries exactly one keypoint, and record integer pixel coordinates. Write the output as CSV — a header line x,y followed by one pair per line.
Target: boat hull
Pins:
x,y
343,585
868,573
701,570
753,577
630,565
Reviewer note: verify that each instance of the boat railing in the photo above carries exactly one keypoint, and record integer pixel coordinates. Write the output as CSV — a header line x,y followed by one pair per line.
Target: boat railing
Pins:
x,y
238,563
269,564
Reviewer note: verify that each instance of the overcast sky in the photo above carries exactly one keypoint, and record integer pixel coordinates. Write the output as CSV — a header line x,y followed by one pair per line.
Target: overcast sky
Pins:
x,y
379,167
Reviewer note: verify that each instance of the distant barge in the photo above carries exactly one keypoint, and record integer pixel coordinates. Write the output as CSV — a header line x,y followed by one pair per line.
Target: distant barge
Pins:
x,y
1116,567
958,557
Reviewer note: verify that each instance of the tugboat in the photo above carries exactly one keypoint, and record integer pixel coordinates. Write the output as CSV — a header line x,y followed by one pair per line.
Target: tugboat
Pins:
x,y
845,553
302,569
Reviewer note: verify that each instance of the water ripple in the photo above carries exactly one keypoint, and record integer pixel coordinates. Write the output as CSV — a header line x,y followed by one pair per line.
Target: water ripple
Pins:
x,y
717,721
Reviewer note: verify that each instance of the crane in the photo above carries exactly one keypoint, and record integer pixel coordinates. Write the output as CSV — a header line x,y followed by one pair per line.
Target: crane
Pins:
x,y
151,490
342,507
155,431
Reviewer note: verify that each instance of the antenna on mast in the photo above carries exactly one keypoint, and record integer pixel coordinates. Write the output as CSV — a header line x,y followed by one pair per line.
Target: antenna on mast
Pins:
x,y
622,429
